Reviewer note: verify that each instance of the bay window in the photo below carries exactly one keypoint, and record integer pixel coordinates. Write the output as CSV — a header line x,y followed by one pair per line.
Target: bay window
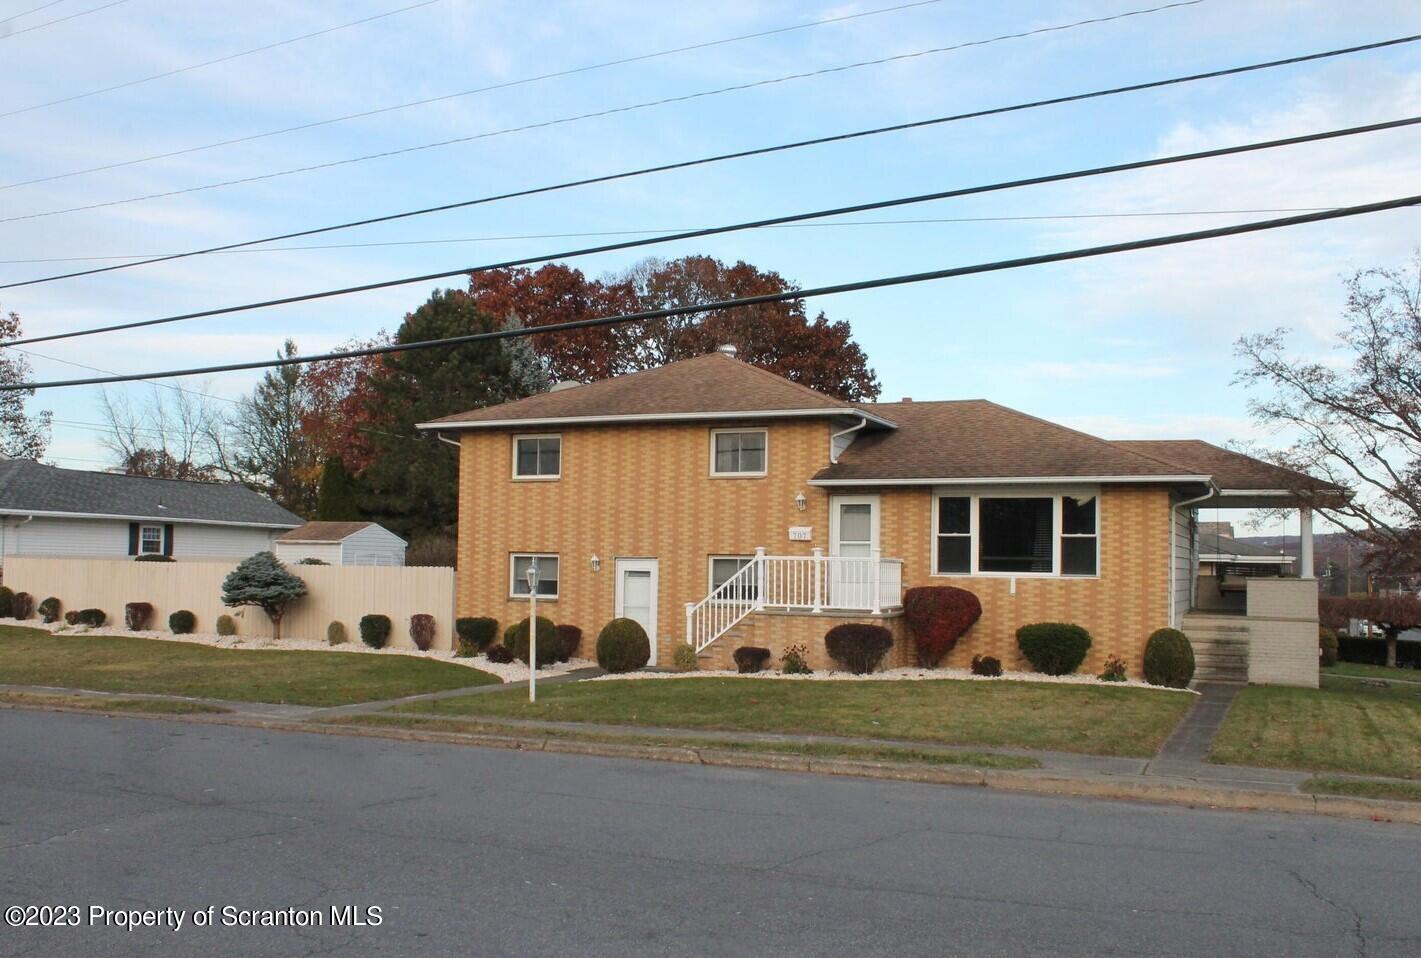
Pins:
x,y
1016,533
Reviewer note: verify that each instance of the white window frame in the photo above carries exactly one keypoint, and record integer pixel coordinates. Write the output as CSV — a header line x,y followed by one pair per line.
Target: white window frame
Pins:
x,y
977,493
513,580
141,541
520,477
717,474
1063,534
710,568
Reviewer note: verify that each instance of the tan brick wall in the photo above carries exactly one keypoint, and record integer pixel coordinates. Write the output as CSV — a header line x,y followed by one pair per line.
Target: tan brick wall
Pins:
x,y
645,491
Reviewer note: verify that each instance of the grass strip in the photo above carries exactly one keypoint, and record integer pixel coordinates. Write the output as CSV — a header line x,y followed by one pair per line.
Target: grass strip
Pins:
x,y
98,704
1363,788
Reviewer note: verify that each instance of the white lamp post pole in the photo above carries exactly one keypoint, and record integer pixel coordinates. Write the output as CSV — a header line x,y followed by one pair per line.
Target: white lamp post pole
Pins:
x,y
533,631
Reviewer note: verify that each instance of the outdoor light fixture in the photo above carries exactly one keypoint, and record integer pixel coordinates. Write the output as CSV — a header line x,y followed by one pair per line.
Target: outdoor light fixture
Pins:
x,y
532,577
800,502
596,563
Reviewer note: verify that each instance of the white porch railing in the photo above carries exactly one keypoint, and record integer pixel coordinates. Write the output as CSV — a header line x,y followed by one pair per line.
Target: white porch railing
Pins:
x,y
814,583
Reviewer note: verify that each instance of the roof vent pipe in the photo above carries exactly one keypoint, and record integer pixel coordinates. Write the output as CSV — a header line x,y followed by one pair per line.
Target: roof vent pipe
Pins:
x,y
726,349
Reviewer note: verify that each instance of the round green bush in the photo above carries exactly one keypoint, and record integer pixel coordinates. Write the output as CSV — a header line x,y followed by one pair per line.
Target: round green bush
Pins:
x,y
1169,659
1056,648
49,610
684,658
335,633
375,630
182,622
226,625
549,646
93,618
623,646
1326,646
475,635
7,602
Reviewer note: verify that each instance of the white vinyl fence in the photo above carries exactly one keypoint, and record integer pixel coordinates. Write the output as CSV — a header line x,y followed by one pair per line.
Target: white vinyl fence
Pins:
x,y
343,593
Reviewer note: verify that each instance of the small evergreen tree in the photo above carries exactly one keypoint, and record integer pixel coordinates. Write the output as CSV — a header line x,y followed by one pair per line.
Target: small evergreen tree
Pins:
x,y
336,501
261,580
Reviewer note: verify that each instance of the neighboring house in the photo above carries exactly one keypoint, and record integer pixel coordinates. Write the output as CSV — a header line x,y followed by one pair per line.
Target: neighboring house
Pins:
x,y
342,543
720,504
49,511
1226,564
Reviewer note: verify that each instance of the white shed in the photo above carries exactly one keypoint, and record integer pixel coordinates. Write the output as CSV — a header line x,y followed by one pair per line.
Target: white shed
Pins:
x,y
341,543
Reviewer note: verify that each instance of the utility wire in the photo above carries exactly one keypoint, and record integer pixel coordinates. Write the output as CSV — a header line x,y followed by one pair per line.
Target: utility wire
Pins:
x,y
736,227
50,23
724,304
677,229
198,66
109,372
739,154
545,76
25,13
522,128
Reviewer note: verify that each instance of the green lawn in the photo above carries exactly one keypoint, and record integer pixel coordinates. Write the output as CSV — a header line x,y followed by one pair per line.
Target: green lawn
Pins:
x,y
1373,672
1353,726
93,703
156,666
1072,718
1361,788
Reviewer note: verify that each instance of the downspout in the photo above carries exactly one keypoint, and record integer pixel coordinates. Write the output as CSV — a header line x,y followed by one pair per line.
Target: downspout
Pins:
x,y
453,442
1213,491
833,458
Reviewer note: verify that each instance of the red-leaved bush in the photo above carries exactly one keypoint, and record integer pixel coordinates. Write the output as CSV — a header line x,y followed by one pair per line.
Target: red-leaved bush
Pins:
x,y
1393,614
939,615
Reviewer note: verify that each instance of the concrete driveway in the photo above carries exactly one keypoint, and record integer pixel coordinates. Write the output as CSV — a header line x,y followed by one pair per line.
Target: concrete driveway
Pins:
x,y
466,851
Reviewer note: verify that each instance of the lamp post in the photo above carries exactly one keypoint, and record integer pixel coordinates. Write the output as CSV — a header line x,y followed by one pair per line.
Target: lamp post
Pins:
x,y
532,577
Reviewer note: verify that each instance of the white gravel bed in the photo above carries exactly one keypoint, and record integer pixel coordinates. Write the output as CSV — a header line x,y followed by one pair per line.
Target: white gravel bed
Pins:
x,y
893,675
512,672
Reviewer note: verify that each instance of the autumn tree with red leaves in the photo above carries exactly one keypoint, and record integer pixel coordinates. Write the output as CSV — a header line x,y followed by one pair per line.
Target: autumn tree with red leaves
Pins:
x,y
1393,614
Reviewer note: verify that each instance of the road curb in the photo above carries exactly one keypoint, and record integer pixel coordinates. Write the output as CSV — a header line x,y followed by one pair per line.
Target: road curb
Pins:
x,y
1030,782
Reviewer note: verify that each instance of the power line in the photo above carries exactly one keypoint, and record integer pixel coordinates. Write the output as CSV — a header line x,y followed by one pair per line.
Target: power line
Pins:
x,y
199,66
642,231
737,227
109,372
720,305
722,157
25,13
50,23
523,128
546,76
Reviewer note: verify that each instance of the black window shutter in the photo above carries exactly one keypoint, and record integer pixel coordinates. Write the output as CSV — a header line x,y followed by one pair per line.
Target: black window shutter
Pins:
x,y
133,538
168,539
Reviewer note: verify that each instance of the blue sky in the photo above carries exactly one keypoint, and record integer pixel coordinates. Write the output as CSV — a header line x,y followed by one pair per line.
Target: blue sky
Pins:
x,y
1138,345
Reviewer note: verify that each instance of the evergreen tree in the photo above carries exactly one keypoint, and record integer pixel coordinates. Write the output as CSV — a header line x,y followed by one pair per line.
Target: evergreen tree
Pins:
x,y
526,369
337,499
261,580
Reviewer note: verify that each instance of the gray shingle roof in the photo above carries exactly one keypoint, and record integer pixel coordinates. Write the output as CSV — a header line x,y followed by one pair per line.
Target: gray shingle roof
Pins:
x,y
1217,544
27,486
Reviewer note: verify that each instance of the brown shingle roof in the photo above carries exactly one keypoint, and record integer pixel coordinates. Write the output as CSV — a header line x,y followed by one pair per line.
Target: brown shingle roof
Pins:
x,y
322,531
977,439
1230,470
701,386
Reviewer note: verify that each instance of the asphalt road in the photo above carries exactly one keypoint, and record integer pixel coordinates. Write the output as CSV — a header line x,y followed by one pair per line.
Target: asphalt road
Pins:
x,y
469,851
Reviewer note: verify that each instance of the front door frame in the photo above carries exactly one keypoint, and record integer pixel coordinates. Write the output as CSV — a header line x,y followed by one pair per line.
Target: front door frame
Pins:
x,y
846,587
640,565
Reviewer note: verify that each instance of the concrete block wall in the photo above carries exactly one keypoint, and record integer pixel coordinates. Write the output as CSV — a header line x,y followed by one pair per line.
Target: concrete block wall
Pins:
x,y
1282,631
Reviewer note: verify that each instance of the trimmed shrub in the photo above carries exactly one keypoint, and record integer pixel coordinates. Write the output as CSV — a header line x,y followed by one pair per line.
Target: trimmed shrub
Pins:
x,y
857,646
152,557
136,615
683,659
750,659
422,630
938,616
1114,670
623,646
71,617
261,580
549,648
509,634
569,639
93,618
49,610
335,633
795,661
1169,659
311,560
1373,652
24,604
474,635
1056,648
1326,645
988,665
226,625
375,630
7,602
499,654
182,622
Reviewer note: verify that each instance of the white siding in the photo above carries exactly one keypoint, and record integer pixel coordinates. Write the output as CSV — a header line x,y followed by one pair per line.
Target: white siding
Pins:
x,y
108,538
220,542
293,552
373,545
1184,560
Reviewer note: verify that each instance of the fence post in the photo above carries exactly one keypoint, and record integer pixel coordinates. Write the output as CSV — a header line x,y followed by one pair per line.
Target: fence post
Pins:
x,y
817,569
877,584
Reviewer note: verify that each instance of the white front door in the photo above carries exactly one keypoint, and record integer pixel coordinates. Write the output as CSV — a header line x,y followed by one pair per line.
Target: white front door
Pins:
x,y
853,536
636,595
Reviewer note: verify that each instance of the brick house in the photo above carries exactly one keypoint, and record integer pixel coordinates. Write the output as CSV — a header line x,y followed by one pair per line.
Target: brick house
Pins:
x,y
722,505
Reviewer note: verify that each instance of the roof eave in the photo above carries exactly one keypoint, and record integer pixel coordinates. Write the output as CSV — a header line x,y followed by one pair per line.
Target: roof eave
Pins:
x,y
715,416
50,514
1007,480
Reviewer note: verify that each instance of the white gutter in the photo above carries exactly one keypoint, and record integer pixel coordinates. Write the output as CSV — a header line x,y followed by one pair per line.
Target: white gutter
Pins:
x,y
443,438
657,417
32,513
1213,491
1010,481
834,457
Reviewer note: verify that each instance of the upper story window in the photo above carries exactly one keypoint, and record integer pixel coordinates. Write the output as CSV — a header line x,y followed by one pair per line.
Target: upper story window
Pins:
x,y
150,541
1024,534
739,452
537,457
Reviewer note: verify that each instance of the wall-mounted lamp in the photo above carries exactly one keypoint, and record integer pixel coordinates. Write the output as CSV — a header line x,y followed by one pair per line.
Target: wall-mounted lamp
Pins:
x,y
800,502
596,563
